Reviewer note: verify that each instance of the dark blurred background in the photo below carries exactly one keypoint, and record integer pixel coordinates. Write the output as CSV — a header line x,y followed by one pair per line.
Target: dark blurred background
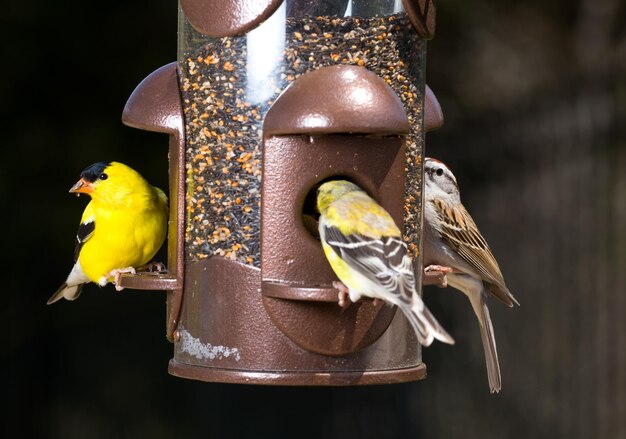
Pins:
x,y
534,95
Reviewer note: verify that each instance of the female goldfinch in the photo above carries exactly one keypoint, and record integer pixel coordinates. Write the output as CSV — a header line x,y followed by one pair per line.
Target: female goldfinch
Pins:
x,y
366,251
121,229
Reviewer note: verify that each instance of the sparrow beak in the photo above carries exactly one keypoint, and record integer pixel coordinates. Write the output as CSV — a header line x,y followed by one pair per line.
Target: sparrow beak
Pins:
x,y
82,186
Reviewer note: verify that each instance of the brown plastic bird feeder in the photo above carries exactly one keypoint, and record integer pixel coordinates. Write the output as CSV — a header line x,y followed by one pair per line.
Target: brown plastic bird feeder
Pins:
x,y
267,100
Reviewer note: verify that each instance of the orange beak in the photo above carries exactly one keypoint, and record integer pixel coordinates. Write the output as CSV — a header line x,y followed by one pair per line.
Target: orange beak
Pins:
x,y
82,186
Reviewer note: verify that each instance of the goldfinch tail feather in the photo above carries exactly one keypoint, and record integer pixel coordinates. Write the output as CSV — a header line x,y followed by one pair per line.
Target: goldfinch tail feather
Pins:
x,y
426,326
69,292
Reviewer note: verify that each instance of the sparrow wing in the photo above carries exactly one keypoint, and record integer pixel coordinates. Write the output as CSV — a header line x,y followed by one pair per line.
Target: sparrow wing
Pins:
x,y
384,261
461,234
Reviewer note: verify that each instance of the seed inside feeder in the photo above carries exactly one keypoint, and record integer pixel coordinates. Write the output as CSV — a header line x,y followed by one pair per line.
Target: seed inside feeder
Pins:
x,y
224,117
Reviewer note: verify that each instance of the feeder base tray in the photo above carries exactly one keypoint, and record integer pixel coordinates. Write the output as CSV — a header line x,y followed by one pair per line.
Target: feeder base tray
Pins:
x,y
292,378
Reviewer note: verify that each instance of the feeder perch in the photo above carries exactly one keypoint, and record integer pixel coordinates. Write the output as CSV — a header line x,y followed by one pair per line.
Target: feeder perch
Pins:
x,y
267,100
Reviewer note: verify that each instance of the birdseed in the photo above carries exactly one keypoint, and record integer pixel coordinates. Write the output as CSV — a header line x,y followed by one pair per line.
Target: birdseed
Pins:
x,y
224,126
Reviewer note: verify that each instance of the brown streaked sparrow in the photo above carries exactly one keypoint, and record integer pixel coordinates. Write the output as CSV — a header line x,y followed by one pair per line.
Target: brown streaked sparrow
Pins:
x,y
454,247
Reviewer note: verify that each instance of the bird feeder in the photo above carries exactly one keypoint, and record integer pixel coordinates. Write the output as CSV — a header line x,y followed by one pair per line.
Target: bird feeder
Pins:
x,y
267,100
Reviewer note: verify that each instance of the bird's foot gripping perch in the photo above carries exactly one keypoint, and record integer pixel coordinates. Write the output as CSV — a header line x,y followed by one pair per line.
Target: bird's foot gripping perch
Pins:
x,y
117,275
436,275
153,267
343,298
344,294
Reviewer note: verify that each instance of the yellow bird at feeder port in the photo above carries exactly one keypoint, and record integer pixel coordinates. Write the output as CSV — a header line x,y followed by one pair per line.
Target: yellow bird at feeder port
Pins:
x,y
365,250
121,229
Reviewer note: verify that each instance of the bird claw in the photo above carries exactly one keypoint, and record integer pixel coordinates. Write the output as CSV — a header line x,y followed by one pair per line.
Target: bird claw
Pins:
x,y
153,267
117,276
437,275
343,296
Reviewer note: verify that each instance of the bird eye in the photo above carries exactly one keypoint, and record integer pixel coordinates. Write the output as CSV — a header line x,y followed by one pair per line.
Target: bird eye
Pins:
x,y
103,176
439,172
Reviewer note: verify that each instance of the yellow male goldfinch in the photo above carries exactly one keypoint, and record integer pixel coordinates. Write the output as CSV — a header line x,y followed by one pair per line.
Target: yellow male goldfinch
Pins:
x,y
366,251
121,229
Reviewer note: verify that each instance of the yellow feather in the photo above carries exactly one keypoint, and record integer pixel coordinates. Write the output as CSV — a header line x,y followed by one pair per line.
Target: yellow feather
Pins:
x,y
350,209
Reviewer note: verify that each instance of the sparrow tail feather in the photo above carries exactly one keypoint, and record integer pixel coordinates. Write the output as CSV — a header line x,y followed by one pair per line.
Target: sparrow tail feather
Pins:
x,y
489,346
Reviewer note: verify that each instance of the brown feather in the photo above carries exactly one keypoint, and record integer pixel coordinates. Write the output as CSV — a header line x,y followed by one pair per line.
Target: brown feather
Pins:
x,y
460,233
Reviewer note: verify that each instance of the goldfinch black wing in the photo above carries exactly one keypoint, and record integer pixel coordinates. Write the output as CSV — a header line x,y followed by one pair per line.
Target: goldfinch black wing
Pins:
x,y
386,264
383,261
85,231
73,285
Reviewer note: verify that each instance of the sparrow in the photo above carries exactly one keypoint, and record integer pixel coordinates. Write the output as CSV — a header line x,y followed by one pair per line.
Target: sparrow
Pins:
x,y
454,246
